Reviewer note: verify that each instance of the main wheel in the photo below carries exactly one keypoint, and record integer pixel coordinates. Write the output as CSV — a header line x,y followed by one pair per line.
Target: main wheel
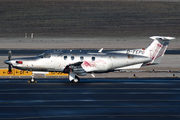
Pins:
x,y
76,80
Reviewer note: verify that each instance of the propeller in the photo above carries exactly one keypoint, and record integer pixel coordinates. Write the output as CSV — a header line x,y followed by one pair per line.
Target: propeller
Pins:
x,y
9,55
9,59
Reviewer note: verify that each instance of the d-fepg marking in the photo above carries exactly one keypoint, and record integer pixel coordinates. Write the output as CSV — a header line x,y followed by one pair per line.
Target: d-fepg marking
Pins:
x,y
80,63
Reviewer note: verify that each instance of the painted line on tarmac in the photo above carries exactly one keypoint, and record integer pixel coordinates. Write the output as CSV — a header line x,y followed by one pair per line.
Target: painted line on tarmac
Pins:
x,y
110,115
92,106
87,100
23,89
90,93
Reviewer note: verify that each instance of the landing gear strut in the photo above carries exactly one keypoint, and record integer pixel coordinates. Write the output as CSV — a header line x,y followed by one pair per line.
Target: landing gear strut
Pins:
x,y
32,80
73,77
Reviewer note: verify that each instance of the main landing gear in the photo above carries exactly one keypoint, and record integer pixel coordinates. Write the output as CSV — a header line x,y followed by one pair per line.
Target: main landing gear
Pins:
x,y
76,79
73,77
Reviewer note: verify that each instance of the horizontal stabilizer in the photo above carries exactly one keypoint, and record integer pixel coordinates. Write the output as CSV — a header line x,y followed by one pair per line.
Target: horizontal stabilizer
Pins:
x,y
100,50
162,38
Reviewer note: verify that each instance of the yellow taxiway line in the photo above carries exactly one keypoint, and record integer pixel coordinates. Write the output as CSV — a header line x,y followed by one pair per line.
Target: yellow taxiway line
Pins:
x,y
16,72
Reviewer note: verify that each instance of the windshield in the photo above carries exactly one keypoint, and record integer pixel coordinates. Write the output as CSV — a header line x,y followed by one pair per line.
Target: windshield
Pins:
x,y
45,55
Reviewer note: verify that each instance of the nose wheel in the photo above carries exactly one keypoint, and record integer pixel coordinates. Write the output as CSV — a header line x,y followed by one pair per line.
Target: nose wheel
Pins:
x,y
32,80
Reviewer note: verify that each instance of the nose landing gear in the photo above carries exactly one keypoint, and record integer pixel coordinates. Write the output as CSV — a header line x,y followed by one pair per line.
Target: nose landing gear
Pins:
x,y
32,80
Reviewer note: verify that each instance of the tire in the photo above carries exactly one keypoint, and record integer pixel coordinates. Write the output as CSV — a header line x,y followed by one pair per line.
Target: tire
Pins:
x,y
32,80
76,80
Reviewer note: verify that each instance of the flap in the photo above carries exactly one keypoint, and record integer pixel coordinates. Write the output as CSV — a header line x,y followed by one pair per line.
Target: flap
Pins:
x,y
76,68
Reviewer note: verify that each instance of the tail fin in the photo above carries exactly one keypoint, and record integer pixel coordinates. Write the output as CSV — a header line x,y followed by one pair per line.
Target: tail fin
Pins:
x,y
157,48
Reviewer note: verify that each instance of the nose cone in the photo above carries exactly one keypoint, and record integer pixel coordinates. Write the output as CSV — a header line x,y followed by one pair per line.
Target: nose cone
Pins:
x,y
7,62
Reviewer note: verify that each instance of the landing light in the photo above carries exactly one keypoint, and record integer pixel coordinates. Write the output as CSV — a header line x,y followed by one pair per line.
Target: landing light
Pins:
x,y
19,62
143,48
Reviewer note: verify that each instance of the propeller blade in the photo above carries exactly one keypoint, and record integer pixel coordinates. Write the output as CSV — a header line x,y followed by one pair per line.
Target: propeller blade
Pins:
x,y
9,69
9,58
9,55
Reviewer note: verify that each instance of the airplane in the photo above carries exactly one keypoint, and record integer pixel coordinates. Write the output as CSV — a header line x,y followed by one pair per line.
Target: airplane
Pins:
x,y
80,63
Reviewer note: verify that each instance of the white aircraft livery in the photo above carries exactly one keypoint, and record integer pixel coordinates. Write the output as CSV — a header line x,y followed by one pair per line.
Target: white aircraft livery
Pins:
x,y
80,63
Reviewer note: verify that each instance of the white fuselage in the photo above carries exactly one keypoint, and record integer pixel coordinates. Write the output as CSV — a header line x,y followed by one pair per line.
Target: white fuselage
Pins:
x,y
91,62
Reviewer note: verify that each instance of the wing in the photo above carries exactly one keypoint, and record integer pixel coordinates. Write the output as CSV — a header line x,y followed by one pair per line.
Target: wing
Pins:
x,y
75,68
76,64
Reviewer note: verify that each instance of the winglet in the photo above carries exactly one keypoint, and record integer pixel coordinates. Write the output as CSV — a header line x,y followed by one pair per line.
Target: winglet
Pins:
x,y
100,50
93,75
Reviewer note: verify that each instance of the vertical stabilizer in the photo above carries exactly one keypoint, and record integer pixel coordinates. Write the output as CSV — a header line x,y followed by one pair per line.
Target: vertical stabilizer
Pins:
x,y
157,48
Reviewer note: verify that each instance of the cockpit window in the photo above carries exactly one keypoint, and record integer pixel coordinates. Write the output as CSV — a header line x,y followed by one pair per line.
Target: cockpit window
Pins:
x,y
41,55
45,55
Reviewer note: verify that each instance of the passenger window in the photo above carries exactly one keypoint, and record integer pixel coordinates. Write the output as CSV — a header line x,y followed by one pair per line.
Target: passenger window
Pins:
x,y
65,57
72,57
93,58
81,58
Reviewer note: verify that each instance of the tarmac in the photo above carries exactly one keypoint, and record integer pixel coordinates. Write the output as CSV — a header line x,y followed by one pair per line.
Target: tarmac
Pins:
x,y
82,43
110,98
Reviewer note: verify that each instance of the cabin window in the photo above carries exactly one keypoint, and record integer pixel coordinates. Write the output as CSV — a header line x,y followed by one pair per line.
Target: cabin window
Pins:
x,y
82,58
93,58
65,57
72,57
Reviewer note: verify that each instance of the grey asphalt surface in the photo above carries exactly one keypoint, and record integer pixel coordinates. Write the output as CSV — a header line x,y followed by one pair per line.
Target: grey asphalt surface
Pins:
x,y
97,18
127,99
112,24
